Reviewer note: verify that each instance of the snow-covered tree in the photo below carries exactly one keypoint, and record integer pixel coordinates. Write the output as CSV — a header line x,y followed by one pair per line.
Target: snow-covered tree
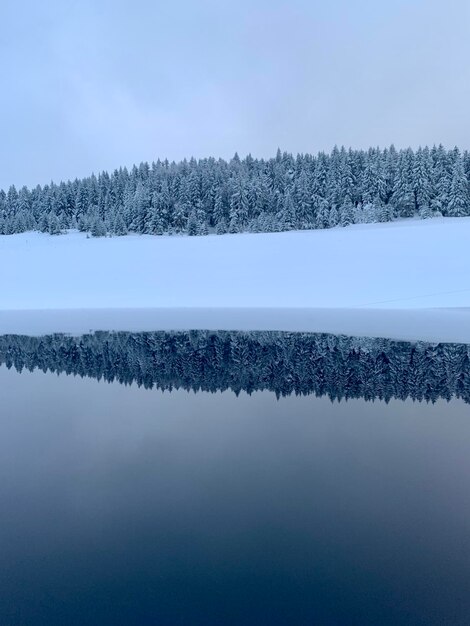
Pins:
x,y
280,193
458,202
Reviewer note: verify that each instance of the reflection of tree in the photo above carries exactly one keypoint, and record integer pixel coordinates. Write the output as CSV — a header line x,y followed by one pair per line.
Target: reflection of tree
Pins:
x,y
339,367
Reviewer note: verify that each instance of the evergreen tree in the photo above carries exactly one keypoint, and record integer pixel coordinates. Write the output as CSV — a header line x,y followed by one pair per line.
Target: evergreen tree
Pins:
x,y
347,213
270,195
119,225
369,188
238,208
53,224
384,212
11,201
303,201
370,213
322,213
140,208
221,227
97,225
403,197
425,211
287,218
458,204
220,212
422,178
192,227
442,180
333,218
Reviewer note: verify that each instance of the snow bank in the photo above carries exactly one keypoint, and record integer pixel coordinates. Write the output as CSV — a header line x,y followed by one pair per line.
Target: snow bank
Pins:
x,y
434,325
407,265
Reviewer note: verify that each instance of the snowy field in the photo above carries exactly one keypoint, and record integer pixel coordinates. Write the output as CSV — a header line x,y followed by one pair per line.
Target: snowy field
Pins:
x,y
409,279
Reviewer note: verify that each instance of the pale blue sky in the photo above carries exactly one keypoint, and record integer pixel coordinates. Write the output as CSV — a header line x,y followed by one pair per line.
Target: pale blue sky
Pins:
x,y
96,84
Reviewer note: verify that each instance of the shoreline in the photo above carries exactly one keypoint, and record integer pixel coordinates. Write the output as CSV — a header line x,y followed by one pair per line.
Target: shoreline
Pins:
x,y
434,325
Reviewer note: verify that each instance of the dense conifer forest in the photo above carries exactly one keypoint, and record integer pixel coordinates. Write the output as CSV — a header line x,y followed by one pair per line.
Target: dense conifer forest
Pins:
x,y
302,363
254,195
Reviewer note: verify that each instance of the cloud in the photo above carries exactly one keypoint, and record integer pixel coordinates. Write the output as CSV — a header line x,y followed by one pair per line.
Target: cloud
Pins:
x,y
99,85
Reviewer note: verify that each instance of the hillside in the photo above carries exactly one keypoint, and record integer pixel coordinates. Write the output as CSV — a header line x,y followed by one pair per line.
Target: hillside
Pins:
x,y
283,193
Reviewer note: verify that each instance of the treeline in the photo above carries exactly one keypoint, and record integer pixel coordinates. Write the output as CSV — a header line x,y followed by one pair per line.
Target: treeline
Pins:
x,y
256,195
285,363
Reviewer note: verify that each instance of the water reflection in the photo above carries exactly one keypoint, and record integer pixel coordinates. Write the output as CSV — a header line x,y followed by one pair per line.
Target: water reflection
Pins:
x,y
285,363
123,506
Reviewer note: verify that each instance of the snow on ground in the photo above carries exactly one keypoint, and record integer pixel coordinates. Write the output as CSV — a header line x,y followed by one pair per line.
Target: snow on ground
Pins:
x,y
434,325
404,266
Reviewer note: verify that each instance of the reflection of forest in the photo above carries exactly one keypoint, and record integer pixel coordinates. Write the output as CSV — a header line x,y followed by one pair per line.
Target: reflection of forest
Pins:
x,y
339,367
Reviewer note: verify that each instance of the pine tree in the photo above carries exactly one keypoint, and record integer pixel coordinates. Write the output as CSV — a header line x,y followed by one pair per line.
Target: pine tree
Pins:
x,y
119,225
370,213
98,228
425,212
201,220
286,216
53,224
81,201
97,225
140,208
369,190
220,212
238,208
192,226
334,178
347,179
303,201
251,194
422,178
390,170
403,197
346,213
11,201
322,213
333,218
442,180
19,224
319,186
384,212
458,205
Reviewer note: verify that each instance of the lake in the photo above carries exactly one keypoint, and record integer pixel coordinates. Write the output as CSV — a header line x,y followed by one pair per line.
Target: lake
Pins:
x,y
233,478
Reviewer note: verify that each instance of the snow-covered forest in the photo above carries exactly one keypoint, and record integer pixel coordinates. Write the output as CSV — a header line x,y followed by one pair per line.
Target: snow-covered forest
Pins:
x,y
249,195
300,363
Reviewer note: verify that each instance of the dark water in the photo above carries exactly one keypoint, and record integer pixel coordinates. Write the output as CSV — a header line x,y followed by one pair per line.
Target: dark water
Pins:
x,y
331,488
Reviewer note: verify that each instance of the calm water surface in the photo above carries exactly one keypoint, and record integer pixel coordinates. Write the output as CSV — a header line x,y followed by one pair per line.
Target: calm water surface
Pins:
x,y
235,478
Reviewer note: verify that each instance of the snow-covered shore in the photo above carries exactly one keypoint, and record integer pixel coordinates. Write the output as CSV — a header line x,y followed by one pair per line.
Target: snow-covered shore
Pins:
x,y
433,325
404,280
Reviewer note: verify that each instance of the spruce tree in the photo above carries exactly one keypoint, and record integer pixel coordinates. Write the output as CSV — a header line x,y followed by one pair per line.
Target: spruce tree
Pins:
x,y
275,194
346,213
403,196
119,225
53,224
192,225
458,205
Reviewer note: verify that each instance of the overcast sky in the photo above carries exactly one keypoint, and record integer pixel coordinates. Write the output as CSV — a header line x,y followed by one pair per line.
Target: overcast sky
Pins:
x,y
93,85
